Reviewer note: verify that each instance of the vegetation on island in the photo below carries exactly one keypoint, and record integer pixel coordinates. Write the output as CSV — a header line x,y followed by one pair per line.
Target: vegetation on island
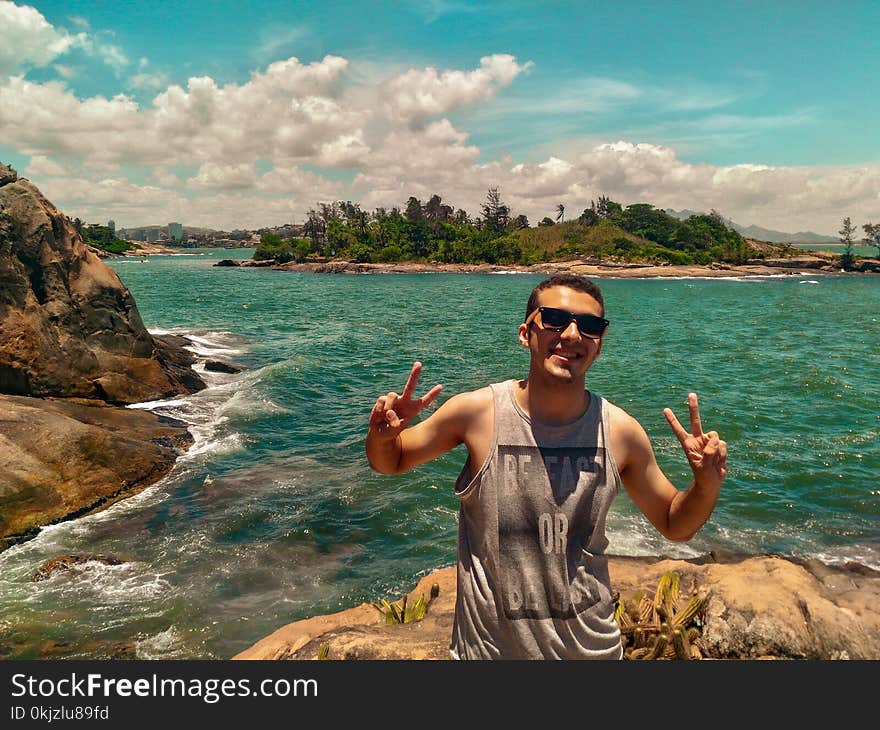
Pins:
x,y
102,237
437,232
872,235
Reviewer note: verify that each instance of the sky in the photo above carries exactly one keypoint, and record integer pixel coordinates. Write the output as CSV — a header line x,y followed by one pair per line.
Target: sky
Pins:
x,y
243,115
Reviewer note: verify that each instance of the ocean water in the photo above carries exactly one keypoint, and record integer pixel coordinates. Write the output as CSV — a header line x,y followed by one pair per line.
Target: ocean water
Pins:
x,y
274,514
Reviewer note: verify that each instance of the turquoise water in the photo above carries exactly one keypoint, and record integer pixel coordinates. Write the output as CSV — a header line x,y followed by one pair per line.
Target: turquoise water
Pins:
x,y
274,514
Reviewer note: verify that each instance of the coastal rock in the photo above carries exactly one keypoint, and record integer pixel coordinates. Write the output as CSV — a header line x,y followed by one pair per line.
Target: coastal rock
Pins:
x,y
589,267
7,175
70,563
68,326
218,366
793,262
71,343
867,265
64,458
227,262
759,607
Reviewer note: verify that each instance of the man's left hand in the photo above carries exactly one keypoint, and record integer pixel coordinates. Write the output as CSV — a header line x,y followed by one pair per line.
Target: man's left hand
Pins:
x,y
706,452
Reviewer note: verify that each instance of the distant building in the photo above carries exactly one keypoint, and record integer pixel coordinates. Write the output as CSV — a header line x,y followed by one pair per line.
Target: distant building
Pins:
x,y
151,235
175,231
111,224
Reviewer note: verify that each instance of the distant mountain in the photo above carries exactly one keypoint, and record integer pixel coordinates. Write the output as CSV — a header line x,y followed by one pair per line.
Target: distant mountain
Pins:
x,y
763,234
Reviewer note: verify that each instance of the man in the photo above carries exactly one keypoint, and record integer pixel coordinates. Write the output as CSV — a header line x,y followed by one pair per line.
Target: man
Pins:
x,y
546,457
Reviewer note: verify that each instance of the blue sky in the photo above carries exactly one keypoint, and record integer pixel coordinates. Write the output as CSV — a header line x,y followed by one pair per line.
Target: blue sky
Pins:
x,y
763,110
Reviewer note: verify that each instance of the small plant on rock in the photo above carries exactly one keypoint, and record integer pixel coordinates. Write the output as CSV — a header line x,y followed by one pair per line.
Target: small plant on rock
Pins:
x,y
654,627
403,614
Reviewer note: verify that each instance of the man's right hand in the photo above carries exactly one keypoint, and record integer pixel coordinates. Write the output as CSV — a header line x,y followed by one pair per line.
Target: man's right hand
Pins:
x,y
392,413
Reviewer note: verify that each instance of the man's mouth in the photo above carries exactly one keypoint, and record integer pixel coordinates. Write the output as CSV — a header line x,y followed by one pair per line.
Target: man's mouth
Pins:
x,y
566,355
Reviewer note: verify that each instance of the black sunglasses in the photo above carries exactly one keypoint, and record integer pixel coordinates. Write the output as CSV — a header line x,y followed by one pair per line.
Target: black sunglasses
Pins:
x,y
558,319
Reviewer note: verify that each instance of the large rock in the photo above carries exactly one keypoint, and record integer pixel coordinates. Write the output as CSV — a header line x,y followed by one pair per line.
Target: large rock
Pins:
x,y
61,459
763,607
68,326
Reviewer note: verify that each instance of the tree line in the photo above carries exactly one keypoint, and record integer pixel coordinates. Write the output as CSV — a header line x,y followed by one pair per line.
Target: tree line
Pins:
x,y
436,231
102,237
847,237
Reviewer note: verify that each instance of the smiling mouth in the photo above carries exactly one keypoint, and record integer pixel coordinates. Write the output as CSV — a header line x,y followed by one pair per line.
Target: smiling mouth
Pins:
x,y
566,356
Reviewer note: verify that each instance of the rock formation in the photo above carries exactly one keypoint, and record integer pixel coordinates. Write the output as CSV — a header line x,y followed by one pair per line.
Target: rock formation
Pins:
x,y
68,327
73,349
764,607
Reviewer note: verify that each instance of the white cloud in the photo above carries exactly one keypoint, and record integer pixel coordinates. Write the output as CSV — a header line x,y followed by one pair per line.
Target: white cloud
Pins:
x,y
134,205
79,22
421,93
40,166
347,150
306,187
149,81
276,39
212,176
287,113
64,71
28,39
113,55
165,177
395,136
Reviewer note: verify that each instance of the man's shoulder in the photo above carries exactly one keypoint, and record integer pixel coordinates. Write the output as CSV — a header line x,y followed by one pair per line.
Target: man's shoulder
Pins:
x,y
471,400
619,419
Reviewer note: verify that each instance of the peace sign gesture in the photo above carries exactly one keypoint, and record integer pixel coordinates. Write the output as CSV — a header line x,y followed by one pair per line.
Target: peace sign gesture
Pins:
x,y
706,452
392,412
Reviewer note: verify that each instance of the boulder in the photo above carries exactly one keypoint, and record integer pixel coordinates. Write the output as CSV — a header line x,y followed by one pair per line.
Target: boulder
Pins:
x,y
68,326
218,366
70,564
761,607
227,262
65,458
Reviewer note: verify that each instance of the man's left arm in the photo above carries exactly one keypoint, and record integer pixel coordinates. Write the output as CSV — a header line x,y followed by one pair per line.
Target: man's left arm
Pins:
x,y
676,514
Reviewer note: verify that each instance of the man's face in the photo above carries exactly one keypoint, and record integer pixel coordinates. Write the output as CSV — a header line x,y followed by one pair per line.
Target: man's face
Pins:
x,y
564,356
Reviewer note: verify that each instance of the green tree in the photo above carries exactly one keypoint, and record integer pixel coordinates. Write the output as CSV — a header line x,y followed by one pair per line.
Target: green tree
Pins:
x,y
414,211
589,217
872,235
496,215
520,222
605,207
846,236
546,221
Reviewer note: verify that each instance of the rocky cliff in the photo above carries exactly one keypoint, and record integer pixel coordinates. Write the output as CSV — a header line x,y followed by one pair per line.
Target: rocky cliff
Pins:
x,y
68,327
73,350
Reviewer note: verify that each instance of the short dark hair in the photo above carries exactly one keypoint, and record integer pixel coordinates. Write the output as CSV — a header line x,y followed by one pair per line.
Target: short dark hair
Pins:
x,y
572,281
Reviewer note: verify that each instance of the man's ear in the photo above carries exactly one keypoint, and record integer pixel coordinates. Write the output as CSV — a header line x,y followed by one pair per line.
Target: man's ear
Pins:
x,y
523,335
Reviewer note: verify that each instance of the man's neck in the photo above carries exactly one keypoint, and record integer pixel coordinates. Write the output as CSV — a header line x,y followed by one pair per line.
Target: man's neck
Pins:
x,y
552,402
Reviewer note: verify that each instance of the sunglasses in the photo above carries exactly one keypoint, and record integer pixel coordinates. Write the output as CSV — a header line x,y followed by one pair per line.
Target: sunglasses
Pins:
x,y
557,320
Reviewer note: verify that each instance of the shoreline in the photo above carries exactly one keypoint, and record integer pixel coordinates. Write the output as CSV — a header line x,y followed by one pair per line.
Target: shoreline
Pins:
x,y
795,267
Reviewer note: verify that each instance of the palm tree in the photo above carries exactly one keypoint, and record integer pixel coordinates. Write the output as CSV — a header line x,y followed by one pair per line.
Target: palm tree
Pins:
x,y
560,212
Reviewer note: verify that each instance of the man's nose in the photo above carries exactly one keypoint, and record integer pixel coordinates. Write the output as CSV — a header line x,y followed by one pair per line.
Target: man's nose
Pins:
x,y
571,332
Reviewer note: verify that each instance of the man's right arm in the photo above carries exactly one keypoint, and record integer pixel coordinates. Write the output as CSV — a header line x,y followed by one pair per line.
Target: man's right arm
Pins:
x,y
396,450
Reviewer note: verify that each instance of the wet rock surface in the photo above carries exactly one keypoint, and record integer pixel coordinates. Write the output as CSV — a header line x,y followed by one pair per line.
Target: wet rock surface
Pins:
x,y
61,459
70,564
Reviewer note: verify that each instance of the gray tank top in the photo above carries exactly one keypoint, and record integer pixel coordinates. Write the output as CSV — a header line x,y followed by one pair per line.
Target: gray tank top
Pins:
x,y
533,577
